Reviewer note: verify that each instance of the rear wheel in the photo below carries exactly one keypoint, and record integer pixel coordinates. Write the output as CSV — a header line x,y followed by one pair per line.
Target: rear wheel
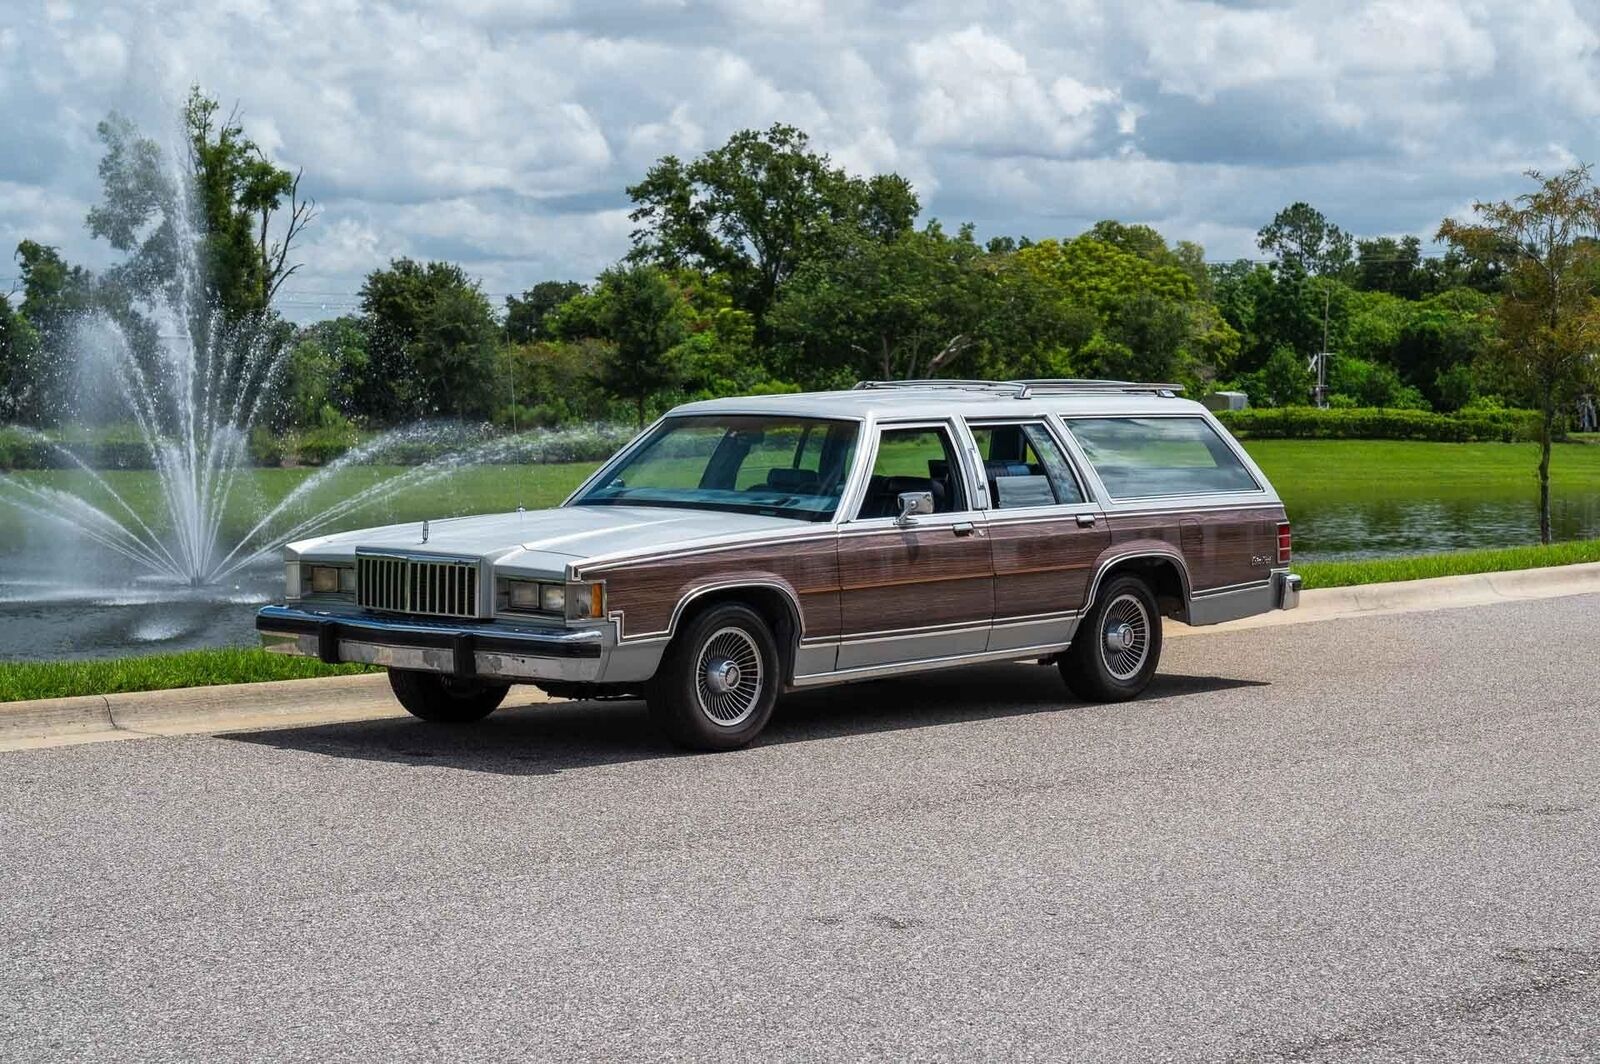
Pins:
x,y
719,680
444,699
1118,644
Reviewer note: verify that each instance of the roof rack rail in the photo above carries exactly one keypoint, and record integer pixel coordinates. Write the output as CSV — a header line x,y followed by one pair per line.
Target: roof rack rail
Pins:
x,y
1019,389
1022,389
1060,385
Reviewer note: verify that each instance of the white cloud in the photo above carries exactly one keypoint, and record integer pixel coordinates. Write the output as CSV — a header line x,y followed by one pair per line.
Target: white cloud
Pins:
x,y
978,92
502,133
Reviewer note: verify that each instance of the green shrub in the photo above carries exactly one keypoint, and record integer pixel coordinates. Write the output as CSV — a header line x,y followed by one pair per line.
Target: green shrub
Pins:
x,y
266,447
20,449
1367,423
320,446
110,447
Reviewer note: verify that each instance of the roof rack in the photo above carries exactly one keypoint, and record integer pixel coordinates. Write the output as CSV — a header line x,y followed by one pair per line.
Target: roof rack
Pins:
x,y
1058,385
1018,389
1023,389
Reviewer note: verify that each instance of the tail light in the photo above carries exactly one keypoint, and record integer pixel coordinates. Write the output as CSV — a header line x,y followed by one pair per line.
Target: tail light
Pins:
x,y
1285,543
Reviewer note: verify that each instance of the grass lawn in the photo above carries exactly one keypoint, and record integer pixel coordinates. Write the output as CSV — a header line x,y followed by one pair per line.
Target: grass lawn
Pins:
x,y
158,672
1455,563
1316,469
468,490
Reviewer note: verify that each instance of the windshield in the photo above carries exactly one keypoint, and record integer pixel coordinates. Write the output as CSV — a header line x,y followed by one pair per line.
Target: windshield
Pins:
x,y
777,466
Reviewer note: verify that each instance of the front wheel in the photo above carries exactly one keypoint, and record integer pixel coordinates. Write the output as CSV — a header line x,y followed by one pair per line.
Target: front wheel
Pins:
x,y
442,699
719,680
1118,644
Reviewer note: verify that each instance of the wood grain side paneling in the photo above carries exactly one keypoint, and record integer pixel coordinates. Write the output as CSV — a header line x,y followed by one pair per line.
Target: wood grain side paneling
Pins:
x,y
1043,566
914,577
647,591
1221,548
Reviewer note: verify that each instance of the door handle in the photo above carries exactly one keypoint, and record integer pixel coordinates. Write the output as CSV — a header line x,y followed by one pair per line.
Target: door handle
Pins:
x,y
962,529
1086,520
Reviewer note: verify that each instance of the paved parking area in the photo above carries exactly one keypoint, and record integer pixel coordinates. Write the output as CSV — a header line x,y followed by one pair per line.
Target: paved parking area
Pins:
x,y
1363,839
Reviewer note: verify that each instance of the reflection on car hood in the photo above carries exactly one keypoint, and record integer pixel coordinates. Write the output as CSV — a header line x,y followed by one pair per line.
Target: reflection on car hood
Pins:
x,y
548,540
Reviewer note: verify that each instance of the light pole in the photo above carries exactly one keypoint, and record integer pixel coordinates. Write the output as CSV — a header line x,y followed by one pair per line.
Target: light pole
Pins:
x,y
1319,361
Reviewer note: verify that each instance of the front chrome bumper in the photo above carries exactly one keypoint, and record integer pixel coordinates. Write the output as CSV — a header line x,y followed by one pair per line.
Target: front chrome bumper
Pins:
x,y
490,650
1286,590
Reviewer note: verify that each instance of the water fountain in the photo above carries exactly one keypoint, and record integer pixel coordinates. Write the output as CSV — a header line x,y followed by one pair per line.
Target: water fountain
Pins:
x,y
207,542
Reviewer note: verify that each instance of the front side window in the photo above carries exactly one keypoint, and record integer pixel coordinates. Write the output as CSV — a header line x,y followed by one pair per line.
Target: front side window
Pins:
x,y
914,459
776,466
1025,466
1141,458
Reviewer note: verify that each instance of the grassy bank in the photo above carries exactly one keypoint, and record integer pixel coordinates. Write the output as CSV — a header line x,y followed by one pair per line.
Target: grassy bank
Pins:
x,y
1317,468
23,680
1455,563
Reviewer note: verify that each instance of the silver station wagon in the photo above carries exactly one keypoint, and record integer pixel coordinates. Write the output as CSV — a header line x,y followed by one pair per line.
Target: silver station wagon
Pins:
x,y
738,548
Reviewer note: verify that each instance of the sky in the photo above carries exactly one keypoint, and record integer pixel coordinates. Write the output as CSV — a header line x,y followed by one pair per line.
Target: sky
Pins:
x,y
501,134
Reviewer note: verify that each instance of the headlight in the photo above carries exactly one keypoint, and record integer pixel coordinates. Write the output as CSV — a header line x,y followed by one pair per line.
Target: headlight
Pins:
x,y
328,579
572,601
522,594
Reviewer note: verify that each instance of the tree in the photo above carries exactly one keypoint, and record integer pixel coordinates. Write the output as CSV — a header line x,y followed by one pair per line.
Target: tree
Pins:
x,y
54,294
639,311
19,350
246,213
898,309
1096,274
326,375
1389,265
1549,315
1300,237
431,338
757,209
1030,327
1282,381
526,314
551,382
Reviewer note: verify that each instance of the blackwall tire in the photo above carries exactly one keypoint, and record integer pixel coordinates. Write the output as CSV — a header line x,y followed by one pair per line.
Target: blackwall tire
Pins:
x,y
1117,647
441,699
719,680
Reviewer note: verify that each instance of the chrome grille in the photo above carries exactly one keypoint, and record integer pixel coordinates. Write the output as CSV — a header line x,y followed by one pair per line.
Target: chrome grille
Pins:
x,y
398,584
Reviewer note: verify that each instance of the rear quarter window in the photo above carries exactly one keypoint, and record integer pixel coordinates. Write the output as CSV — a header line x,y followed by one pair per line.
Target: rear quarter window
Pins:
x,y
1140,458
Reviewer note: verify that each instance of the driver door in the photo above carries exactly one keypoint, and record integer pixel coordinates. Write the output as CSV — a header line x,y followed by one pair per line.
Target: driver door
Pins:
x,y
921,590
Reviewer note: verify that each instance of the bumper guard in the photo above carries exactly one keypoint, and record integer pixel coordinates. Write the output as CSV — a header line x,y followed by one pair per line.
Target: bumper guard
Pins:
x,y
1286,590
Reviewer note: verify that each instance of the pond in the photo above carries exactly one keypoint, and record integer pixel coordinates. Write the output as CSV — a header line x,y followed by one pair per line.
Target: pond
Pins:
x,y
1346,499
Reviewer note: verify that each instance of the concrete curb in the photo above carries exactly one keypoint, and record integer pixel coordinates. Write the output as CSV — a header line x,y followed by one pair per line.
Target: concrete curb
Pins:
x,y
192,710
339,699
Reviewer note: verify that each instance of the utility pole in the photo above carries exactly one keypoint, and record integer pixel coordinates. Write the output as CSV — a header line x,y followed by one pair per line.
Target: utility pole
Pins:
x,y
1320,391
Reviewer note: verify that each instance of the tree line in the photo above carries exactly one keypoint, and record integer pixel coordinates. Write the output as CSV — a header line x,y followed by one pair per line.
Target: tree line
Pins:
x,y
762,266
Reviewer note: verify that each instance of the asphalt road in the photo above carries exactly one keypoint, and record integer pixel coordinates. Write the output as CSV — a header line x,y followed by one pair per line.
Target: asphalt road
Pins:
x,y
1355,840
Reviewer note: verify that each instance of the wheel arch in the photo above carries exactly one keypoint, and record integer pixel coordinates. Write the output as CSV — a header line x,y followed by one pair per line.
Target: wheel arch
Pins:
x,y
1161,567
774,599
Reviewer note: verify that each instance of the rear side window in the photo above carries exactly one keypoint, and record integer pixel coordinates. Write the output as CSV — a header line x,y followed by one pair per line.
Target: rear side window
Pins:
x,y
1138,458
1024,466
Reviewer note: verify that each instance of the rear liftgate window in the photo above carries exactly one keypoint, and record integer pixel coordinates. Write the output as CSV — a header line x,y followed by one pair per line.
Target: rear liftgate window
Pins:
x,y
1141,458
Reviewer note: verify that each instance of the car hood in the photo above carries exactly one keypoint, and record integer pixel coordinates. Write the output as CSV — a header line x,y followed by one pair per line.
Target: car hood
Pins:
x,y
547,541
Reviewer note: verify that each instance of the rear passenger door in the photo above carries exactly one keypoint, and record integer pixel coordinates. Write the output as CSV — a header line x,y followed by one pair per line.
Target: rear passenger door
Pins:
x,y
1045,533
921,591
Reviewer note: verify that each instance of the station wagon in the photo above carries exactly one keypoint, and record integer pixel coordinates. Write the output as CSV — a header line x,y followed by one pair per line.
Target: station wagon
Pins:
x,y
739,548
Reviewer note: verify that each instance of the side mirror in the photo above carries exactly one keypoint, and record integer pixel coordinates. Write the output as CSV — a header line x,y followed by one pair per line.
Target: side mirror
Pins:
x,y
912,505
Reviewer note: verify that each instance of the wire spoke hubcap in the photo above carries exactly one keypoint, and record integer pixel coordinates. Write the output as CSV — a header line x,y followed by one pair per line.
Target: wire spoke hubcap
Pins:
x,y
728,677
1125,637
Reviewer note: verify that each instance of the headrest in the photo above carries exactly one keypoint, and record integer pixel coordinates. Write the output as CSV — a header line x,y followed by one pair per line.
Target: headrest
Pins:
x,y
792,479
